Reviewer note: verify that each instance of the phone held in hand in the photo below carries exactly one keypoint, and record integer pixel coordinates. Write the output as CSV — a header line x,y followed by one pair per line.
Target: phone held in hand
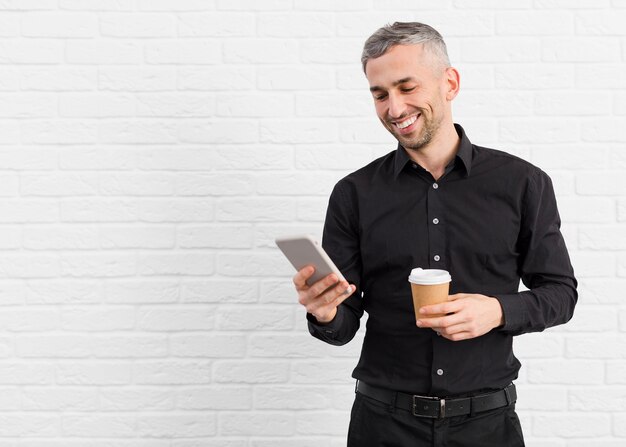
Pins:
x,y
303,250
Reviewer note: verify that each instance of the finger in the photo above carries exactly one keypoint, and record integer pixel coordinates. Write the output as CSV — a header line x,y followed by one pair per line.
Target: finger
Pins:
x,y
458,336
330,299
441,323
457,296
324,285
443,308
299,279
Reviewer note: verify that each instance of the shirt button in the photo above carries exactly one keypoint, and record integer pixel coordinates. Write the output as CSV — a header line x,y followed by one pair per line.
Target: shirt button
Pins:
x,y
440,372
414,166
435,185
436,257
435,221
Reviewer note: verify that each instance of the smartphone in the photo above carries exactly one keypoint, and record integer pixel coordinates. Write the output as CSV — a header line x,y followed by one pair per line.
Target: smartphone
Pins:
x,y
304,250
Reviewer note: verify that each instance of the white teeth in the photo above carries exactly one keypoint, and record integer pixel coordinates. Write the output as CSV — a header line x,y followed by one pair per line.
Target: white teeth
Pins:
x,y
407,123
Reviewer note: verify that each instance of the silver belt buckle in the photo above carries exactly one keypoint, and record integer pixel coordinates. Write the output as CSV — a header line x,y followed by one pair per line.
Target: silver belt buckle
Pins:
x,y
442,407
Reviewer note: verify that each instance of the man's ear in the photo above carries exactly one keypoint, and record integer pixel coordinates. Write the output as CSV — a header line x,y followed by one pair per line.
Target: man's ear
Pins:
x,y
452,82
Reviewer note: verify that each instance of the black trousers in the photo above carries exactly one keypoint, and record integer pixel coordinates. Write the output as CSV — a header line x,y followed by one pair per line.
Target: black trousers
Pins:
x,y
375,424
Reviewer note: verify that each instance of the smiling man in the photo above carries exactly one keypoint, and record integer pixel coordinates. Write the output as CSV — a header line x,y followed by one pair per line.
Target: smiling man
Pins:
x,y
436,201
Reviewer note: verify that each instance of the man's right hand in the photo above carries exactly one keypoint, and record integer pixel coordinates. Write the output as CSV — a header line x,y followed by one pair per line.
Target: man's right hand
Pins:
x,y
321,299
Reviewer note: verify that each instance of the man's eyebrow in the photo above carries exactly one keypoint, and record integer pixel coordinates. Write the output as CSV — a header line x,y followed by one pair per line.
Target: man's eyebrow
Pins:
x,y
398,82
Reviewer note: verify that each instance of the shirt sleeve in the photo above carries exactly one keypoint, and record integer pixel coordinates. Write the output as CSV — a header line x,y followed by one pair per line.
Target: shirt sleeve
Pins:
x,y
341,242
544,265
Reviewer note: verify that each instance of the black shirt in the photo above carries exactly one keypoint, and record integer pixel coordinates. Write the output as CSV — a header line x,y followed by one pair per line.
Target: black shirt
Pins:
x,y
490,220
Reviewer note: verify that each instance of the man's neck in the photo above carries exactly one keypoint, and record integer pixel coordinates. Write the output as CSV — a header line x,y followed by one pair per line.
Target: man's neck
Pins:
x,y
438,153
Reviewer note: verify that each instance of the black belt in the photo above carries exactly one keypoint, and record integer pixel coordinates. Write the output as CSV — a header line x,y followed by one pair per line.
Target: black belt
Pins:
x,y
435,407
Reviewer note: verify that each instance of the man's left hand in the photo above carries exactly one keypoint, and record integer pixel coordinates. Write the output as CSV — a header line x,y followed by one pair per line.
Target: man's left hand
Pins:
x,y
466,316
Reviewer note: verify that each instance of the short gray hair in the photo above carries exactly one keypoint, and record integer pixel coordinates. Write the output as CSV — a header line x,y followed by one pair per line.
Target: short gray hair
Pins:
x,y
405,33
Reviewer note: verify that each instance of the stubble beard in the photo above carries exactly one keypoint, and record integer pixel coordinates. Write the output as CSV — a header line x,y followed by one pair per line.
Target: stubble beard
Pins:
x,y
430,128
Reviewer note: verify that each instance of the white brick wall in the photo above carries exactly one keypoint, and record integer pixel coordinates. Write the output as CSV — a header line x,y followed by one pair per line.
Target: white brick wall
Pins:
x,y
151,150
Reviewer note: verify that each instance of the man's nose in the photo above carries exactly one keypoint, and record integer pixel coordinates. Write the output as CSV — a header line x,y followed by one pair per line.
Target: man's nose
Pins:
x,y
396,106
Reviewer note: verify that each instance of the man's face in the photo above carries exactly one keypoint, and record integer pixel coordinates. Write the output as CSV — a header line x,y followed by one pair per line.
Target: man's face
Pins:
x,y
409,94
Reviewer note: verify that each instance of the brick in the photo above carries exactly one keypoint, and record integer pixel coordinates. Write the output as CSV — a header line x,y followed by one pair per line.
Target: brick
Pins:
x,y
103,52
193,51
323,372
607,75
578,49
173,318
99,265
27,373
323,423
532,130
130,346
296,24
255,105
254,264
98,425
592,346
297,183
137,237
58,131
179,159
53,346
600,399
9,25
491,4
214,398
603,237
593,265
260,51
619,420
252,5
136,184
137,132
293,77
55,291
176,210
136,79
218,131
92,372
35,425
177,425
216,78
9,185
60,398
330,5
241,290
333,105
604,130
138,291
610,183
474,103
250,371
98,210
31,51
10,131
543,76
215,236
330,50
72,25
255,318
28,159
601,291
261,157
615,372
87,158
24,105
137,25
29,266
505,49
175,105
180,5
571,157
96,105
67,237
562,103
169,372
565,372
298,131
534,23
12,292
572,4
97,5
256,210
311,210
287,346
266,234
586,210
543,345
540,398
291,398
9,78
135,398
592,319
572,425
176,263
95,319
369,132
621,210
600,23
221,185
216,24
257,424
74,184
208,346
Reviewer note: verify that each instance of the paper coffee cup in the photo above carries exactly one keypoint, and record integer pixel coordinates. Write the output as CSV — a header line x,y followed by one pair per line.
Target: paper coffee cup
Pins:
x,y
429,286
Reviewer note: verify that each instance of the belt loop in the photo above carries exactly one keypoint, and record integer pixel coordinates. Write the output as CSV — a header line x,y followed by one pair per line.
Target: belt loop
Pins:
x,y
356,386
507,395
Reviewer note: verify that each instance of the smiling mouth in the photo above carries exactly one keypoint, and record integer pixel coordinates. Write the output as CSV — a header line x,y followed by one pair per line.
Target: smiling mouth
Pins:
x,y
407,122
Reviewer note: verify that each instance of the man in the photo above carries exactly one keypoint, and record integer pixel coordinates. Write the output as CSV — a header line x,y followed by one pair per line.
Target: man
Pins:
x,y
437,201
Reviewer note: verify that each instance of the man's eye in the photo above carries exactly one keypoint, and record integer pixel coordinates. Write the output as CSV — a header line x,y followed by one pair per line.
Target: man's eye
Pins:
x,y
408,90
380,97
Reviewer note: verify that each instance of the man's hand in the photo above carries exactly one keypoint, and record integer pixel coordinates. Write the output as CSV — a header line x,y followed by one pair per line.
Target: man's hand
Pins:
x,y
466,316
321,299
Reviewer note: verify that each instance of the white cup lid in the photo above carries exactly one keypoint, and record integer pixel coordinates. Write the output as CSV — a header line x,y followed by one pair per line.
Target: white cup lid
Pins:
x,y
429,277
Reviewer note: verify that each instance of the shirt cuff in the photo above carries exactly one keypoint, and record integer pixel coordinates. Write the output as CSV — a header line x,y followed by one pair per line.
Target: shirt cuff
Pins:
x,y
513,310
326,330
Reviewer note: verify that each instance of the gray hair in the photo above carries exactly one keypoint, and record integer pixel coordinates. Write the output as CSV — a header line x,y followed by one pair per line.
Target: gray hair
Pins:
x,y
405,33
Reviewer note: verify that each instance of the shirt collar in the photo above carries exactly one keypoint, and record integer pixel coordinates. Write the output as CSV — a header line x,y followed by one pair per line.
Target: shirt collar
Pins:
x,y
464,154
